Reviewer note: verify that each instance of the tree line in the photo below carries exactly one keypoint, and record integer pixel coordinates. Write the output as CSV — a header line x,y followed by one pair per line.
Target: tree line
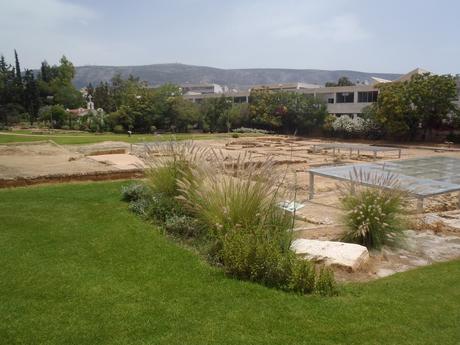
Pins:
x,y
24,93
404,109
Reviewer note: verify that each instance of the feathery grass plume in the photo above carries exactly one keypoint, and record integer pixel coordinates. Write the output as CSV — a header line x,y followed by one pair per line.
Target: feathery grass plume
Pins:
x,y
171,161
241,193
375,216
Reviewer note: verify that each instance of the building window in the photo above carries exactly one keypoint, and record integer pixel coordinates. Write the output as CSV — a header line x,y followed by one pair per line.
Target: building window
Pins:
x,y
367,97
330,100
345,97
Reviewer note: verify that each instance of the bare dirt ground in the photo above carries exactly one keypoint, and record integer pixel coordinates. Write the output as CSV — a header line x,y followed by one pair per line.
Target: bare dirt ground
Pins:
x,y
33,161
321,218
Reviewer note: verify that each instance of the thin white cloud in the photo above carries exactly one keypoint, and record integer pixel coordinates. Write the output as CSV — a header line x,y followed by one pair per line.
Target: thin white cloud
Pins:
x,y
343,28
42,29
315,21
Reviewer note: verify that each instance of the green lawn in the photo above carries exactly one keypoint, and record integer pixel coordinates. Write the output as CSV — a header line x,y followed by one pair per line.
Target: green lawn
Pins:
x,y
76,267
89,138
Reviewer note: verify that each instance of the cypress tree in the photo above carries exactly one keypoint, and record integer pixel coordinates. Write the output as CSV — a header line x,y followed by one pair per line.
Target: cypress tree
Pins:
x,y
18,67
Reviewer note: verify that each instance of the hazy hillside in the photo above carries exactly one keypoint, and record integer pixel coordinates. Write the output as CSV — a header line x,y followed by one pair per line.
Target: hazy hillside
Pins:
x,y
237,78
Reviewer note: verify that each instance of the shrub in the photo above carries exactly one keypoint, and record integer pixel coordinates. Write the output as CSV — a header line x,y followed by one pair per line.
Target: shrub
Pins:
x,y
135,191
247,255
140,206
118,129
325,283
328,123
453,137
161,207
303,276
374,216
183,226
251,130
235,135
349,125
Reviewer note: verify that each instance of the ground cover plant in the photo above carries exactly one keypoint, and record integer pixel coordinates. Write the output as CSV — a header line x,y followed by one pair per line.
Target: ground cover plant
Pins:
x,y
374,217
231,208
79,268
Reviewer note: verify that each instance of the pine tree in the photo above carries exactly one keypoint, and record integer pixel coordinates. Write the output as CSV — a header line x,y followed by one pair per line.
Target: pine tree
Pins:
x,y
31,95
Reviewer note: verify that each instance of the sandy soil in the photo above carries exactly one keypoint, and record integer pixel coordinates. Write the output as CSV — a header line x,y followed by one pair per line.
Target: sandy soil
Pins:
x,y
34,160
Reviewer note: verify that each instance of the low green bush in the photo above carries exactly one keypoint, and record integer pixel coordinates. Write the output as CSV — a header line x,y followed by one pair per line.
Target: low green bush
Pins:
x,y
118,129
325,282
161,207
135,191
183,226
453,137
251,130
235,135
140,206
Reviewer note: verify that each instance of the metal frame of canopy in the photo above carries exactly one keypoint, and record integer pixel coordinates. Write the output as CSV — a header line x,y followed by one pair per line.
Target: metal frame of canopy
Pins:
x,y
354,147
420,177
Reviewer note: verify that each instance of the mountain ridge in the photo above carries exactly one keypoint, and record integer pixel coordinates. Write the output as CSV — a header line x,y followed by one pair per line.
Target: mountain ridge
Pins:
x,y
240,78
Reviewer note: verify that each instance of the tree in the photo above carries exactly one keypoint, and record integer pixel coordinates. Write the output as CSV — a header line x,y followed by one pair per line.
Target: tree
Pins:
x,y
263,112
303,113
393,110
62,88
103,97
433,98
425,102
31,96
55,115
17,68
343,81
10,94
215,113
288,111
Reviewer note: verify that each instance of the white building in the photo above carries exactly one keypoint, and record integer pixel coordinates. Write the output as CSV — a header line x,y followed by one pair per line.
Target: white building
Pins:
x,y
340,100
202,89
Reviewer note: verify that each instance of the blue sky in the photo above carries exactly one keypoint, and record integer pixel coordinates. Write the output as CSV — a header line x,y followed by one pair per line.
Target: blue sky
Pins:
x,y
375,36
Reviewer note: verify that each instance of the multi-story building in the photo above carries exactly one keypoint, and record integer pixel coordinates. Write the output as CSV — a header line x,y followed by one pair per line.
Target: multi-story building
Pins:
x,y
202,89
284,87
340,100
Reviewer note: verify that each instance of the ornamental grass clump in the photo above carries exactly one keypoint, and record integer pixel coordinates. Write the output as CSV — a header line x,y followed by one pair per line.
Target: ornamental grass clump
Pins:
x,y
251,235
229,210
374,217
169,162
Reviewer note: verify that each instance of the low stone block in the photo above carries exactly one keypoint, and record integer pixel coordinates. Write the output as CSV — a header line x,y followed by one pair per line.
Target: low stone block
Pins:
x,y
345,255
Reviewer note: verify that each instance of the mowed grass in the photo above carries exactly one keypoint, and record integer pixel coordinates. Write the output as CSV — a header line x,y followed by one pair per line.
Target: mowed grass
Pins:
x,y
90,138
78,268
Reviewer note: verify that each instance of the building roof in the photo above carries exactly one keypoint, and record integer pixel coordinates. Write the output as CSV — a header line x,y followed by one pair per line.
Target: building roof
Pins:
x,y
376,80
296,86
408,76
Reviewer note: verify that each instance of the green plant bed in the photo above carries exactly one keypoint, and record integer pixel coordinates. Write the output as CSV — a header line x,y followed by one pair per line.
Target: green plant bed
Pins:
x,y
77,267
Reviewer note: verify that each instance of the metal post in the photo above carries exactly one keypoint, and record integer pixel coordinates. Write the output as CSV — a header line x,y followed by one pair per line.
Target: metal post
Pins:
x,y
399,153
351,150
352,188
375,155
358,153
311,187
420,205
